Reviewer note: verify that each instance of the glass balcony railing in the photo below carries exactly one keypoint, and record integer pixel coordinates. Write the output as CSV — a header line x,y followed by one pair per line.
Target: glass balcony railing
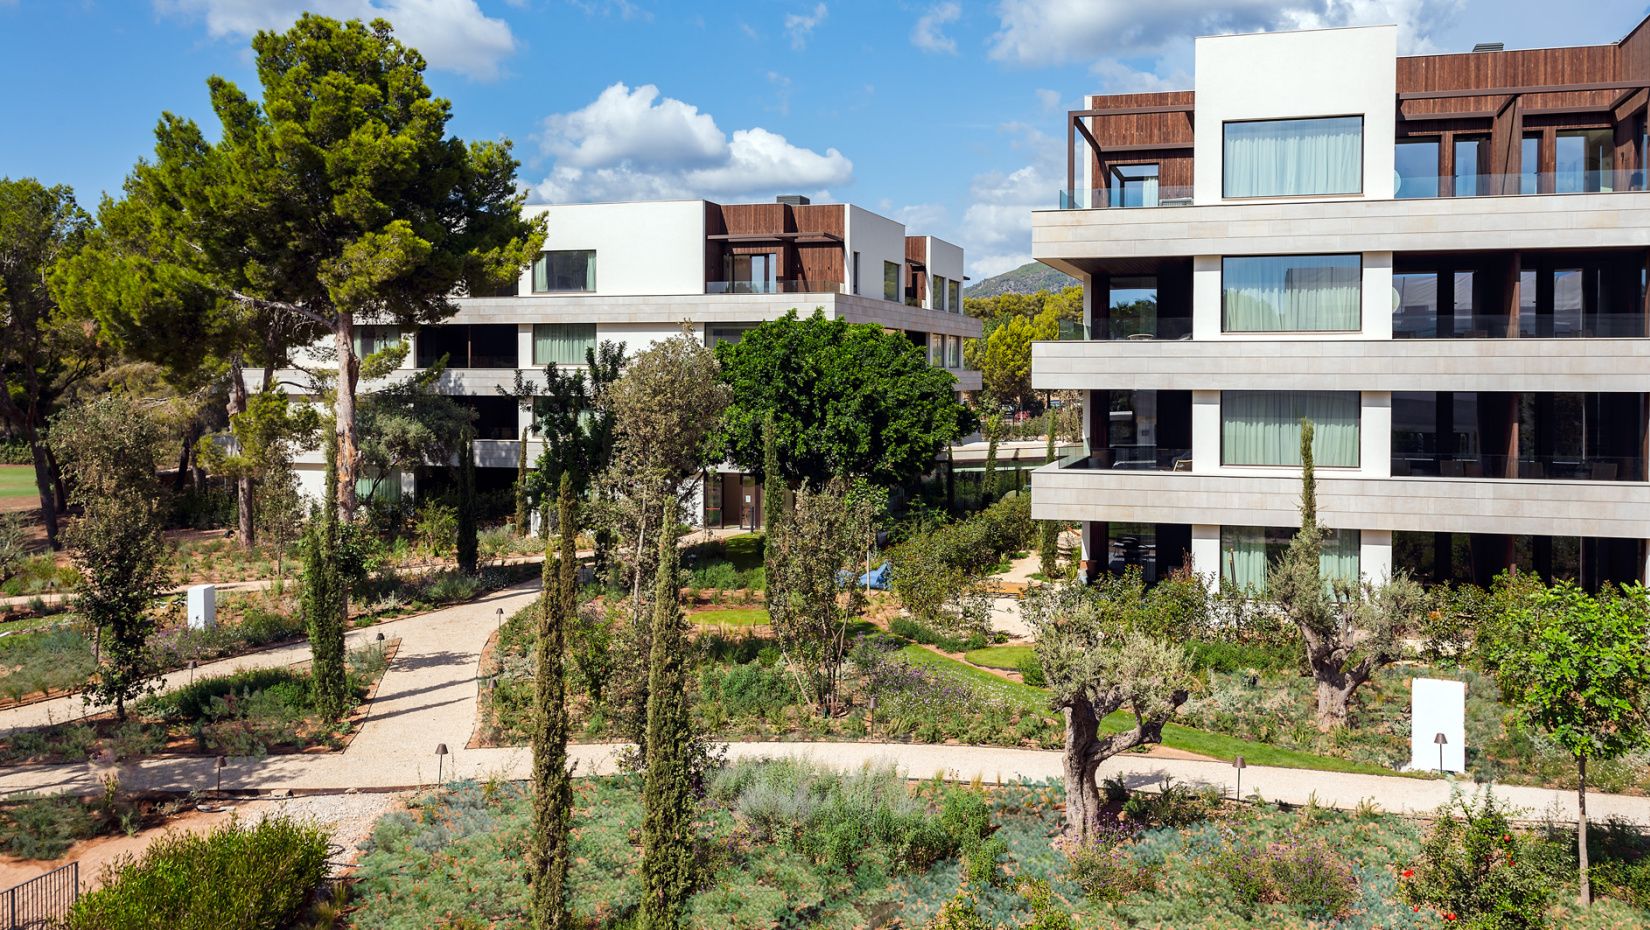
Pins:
x,y
1124,197
1131,458
1141,330
1426,187
795,286
1427,325
1546,467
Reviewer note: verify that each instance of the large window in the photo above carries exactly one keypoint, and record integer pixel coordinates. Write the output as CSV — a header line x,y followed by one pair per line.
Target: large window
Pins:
x,y
938,297
956,297
890,280
370,339
565,271
1264,427
1291,293
1415,164
1134,186
1472,166
562,343
1294,157
1583,160
953,351
491,345
1247,552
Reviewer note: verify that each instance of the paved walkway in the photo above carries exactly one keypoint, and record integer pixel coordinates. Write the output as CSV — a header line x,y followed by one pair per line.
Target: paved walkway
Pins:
x,y
428,698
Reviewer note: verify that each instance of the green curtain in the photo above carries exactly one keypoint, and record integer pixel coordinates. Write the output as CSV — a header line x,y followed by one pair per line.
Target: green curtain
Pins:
x,y
1243,556
562,343
1293,157
1264,427
370,339
389,489
1291,293
1338,559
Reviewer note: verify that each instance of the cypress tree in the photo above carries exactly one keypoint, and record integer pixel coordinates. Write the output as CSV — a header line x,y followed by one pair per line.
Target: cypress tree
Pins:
x,y
552,784
325,601
667,824
467,543
988,483
523,504
1049,550
1309,481
775,492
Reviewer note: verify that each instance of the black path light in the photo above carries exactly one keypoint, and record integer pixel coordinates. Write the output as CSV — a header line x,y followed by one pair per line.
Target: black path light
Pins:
x,y
1239,765
219,764
440,754
1441,740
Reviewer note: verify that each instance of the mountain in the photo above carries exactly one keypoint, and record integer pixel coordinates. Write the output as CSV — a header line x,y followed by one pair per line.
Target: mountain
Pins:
x,y
1026,279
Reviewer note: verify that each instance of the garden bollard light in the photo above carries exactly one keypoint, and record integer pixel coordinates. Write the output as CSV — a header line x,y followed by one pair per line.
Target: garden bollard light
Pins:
x,y
191,671
1440,739
440,753
500,625
1238,763
219,764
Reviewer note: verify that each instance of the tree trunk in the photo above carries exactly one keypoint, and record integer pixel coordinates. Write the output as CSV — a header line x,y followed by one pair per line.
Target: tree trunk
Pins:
x,y
43,481
243,484
188,449
1082,793
1333,698
1586,884
57,481
343,336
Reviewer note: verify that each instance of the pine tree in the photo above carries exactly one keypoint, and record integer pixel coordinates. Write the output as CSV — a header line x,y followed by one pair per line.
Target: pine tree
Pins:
x,y
467,543
552,784
325,602
667,824
1049,550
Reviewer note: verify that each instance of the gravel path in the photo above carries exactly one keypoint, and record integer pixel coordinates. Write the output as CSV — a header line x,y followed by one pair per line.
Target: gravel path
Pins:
x,y
428,698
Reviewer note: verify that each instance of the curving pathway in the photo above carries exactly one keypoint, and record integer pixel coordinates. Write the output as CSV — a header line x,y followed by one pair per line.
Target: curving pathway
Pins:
x,y
428,698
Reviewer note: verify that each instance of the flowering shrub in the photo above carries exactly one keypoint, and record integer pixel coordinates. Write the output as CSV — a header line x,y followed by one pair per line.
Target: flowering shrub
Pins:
x,y
1306,875
1476,870
1108,870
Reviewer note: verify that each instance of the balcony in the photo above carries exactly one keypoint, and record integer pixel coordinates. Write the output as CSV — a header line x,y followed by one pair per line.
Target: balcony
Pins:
x,y
1529,467
794,286
1407,324
1131,458
1129,197
1428,187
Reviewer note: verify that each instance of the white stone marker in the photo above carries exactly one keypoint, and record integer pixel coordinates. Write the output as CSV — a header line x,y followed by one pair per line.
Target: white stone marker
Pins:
x,y
203,606
1438,706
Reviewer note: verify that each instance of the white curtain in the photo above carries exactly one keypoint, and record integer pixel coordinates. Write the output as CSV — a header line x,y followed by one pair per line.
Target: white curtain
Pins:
x,y
1247,554
562,343
1292,157
1264,427
1243,557
1291,293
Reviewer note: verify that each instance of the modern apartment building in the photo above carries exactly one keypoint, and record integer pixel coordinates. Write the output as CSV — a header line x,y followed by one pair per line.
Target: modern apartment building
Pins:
x,y
1438,259
636,273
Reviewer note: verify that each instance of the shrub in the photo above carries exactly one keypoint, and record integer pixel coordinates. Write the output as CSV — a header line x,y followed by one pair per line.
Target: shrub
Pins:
x,y
1474,865
34,826
252,877
1047,911
1232,658
982,862
1308,876
959,913
196,700
929,571
1109,871
436,527
1172,806
749,690
928,636
1031,672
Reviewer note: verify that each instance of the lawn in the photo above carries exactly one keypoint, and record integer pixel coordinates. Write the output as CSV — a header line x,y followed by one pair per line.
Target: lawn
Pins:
x,y
730,617
1007,658
17,481
1175,736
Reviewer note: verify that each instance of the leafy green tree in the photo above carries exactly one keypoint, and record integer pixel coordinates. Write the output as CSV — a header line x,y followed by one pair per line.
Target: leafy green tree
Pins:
x,y
1106,647
775,492
268,431
40,352
552,782
824,537
108,448
992,422
1065,304
406,424
467,517
1003,356
1579,667
667,793
847,399
1349,629
337,200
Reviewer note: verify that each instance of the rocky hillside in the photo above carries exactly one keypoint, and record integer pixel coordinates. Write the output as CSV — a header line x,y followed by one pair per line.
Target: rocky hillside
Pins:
x,y
1026,279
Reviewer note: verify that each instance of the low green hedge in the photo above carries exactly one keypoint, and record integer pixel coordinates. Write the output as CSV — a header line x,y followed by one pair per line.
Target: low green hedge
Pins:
x,y
248,876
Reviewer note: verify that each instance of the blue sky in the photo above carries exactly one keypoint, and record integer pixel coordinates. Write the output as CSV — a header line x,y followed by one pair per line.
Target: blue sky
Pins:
x,y
944,113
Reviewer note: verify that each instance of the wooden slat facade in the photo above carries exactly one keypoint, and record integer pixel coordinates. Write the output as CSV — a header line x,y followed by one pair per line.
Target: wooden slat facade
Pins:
x,y
808,239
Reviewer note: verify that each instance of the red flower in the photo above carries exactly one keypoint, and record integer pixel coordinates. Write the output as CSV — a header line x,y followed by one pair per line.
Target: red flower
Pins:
x,y
1417,908
1450,916
1409,873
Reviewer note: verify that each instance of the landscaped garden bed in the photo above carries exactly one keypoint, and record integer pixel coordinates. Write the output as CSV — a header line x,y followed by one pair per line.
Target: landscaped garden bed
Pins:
x,y
789,844
253,712
45,826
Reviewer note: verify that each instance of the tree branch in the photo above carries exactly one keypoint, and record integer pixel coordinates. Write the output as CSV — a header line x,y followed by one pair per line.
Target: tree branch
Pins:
x,y
298,309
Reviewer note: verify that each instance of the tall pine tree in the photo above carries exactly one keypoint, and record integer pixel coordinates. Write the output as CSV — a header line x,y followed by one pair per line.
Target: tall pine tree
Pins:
x,y
468,545
552,784
667,824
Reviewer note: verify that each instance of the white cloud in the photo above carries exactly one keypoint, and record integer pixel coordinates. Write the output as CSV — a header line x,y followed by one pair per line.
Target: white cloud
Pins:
x,y
927,34
801,25
453,35
1048,99
996,229
1051,32
1117,77
632,144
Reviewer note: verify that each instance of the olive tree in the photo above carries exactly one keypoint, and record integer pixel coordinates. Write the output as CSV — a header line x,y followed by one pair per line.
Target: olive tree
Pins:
x,y
1349,629
822,538
1106,647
